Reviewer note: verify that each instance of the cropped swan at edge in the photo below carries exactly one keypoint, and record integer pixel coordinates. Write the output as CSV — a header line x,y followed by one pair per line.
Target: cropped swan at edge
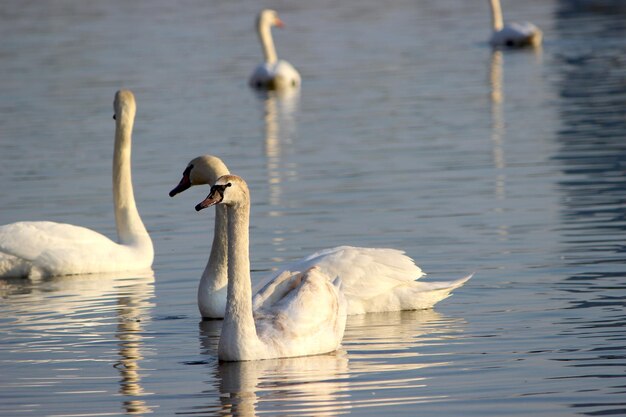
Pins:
x,y
373,279
512,34
274,73
43,248
306,314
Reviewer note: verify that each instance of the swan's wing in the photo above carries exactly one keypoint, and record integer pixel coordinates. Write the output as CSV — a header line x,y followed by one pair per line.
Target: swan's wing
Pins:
x,y
312,310
261,75
365,272
416,295
523,29
275,289
517,34
278,75
286,71
53,244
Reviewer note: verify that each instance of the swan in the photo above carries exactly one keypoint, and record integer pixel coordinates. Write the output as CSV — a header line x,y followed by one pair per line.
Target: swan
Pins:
x,y
306,314
274,73
207,169
373,279
513,34
44,248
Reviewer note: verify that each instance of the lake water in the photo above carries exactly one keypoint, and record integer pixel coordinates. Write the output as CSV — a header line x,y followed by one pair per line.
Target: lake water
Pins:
x,y
408,133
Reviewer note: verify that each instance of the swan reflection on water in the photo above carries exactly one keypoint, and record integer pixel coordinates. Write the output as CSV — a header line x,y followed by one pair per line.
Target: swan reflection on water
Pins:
x,y
73,318
383,356
279,111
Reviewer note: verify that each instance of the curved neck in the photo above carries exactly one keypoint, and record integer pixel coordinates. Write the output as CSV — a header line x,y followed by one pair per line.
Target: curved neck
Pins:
x,y
267,42
215,275
130,228
496,15
238,331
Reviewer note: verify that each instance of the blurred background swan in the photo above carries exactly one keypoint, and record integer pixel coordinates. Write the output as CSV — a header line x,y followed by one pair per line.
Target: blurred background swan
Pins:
x,y
273,73
512,34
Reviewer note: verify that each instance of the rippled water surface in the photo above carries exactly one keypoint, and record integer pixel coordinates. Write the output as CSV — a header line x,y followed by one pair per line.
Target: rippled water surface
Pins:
x,y
408,133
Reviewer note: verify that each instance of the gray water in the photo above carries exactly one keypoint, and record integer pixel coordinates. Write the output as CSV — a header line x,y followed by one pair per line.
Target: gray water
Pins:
x,y
408,133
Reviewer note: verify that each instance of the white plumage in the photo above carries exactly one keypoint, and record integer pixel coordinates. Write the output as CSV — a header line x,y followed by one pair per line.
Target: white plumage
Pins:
x,y
306,314
373,279
43,248
273,74
512,34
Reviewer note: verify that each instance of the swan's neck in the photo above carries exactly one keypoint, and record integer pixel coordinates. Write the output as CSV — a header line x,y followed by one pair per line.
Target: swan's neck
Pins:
x,y
130,228
215,276
239,335
496,15
265,34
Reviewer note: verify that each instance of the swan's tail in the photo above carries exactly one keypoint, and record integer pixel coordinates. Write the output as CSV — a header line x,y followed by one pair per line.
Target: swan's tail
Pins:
x,y
459,282
427,294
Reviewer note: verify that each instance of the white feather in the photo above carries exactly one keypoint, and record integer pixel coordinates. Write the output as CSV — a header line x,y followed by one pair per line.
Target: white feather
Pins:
x,y
44,248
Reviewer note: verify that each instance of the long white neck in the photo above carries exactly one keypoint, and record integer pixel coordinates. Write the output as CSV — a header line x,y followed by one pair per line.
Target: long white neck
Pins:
x,y
267,42
130,228
215,275
238,338
496,15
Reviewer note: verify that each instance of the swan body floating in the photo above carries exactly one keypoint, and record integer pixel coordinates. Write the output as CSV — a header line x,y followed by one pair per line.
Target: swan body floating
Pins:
x,y
306,312
43,248
274,73
512,34
373,279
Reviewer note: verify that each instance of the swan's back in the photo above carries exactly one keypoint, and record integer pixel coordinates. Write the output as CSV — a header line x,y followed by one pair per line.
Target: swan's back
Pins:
x,y
517,34
49,248
305,317
275,76
373,280
364,272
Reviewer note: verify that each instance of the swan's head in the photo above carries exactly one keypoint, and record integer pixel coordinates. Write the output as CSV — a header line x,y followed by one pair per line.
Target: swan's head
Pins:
x,y
228,189
269,18
124,106
205,169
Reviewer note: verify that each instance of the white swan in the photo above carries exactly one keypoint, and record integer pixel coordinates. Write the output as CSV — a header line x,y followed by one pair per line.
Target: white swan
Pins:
x,y
43,248
373,279
513,34
274,73
212,288
306,314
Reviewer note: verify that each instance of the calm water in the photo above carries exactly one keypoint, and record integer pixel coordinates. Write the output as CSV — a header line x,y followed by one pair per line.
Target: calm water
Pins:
x,y
408,133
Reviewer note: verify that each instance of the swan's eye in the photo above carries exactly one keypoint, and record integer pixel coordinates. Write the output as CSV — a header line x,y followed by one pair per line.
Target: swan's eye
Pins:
x,y
114,117
219,188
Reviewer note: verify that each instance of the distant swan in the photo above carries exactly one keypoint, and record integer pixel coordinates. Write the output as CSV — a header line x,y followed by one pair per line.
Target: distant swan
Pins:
x,y
43,248
274,73
373,279
306,314
513,34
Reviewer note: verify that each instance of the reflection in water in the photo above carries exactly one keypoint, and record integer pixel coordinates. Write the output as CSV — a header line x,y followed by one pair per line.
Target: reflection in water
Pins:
x,y
66,319
388,355
386,358
497,121
280,109
592,152
592,156
132,308
309,385
497,134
